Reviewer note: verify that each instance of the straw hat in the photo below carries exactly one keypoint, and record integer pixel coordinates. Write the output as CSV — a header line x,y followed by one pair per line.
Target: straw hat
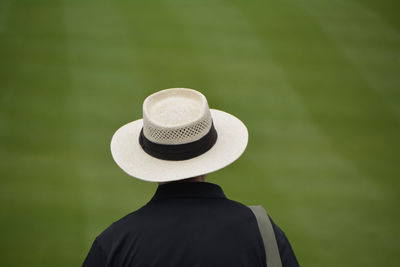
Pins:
x,y
179,137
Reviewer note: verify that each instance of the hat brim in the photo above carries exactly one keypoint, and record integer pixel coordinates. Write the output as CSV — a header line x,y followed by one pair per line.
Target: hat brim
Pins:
x,y
132,159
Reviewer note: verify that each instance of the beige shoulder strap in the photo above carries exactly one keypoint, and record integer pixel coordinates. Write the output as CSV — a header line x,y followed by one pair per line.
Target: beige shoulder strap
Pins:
x,y
268,236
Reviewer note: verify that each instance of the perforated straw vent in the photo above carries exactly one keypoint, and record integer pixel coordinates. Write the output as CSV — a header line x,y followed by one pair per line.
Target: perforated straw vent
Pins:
x,y
184,134
176,116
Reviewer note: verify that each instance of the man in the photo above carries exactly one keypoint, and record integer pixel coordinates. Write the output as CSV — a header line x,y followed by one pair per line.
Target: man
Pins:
x,y
188,222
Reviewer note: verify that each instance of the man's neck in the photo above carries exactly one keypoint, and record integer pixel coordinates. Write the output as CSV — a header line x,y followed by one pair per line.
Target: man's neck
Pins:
x,y
201,178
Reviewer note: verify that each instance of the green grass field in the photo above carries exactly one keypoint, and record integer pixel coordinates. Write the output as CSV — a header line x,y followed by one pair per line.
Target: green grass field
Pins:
x,y
317,82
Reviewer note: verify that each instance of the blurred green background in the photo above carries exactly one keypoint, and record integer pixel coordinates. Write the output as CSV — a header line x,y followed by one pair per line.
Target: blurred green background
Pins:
x,y
316,82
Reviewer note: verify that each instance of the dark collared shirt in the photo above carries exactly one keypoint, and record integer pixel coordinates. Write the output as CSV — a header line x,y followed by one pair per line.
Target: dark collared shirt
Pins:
x,y
186,224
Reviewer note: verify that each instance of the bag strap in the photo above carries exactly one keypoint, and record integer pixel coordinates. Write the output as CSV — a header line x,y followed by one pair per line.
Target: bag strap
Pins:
x,y
268,236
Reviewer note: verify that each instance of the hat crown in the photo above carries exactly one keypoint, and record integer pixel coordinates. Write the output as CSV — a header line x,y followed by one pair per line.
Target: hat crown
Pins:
x,y
176,116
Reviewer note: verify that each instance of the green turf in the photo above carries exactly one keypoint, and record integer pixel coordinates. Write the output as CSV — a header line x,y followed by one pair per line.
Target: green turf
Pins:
x,y
317,83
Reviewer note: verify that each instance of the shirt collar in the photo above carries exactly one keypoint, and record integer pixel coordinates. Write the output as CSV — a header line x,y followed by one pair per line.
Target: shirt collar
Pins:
x,y
188,190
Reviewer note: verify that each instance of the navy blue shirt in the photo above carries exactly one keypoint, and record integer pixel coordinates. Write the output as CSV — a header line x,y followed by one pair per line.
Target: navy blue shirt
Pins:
x,y
187,224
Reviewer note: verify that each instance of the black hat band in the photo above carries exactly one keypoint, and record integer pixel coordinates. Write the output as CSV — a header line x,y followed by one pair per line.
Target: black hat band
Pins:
x,y
181,151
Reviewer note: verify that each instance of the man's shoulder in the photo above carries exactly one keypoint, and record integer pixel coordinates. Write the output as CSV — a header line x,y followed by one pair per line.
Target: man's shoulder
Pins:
x,y
121,226
238,205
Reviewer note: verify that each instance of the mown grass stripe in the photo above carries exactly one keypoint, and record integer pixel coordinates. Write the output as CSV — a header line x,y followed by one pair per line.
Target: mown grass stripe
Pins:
x,y
369,43
4,11
40,195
